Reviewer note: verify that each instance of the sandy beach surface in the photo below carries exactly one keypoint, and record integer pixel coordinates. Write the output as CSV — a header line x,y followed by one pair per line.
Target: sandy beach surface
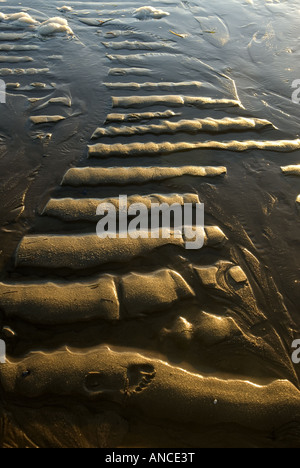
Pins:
x,y
120,343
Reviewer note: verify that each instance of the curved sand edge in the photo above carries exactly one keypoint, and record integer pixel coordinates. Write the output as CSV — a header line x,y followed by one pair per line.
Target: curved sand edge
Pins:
x,y
152,387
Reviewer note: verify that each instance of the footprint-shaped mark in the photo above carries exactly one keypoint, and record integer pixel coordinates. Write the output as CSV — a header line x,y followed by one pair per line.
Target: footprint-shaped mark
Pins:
x,y
105,385
94,382
140,376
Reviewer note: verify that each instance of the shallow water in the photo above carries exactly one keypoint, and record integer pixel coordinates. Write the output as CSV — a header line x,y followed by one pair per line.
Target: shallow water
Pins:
x,y
183,100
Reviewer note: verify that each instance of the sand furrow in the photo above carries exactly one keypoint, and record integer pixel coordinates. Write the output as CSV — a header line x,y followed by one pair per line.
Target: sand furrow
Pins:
x,y
15,59
142,149
23,71
4,36
291,170
90,176
42,119
85,251
17,47
149,86
61,303
185,126
89,251
70,209
139,45
149,293
127,102
137,59
139,116
70,302
130,71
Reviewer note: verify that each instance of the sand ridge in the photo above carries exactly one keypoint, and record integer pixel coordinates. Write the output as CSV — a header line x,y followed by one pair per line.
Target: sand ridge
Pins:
x,y
154,386
138,342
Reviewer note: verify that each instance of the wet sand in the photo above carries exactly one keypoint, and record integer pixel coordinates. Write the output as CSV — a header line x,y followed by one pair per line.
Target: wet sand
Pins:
x,y
141,342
